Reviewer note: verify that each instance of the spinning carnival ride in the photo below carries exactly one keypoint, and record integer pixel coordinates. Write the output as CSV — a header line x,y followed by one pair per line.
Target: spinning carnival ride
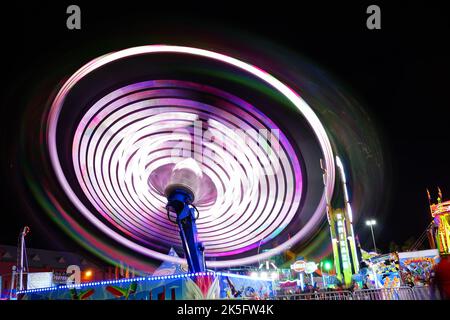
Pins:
x,y
115,132
166,146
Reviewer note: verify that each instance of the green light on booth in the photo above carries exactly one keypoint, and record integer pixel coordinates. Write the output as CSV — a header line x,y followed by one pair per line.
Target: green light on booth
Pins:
x,y
327,265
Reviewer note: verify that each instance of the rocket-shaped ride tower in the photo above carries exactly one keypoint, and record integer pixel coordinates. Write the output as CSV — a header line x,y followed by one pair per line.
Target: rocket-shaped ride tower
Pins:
x,y
345,255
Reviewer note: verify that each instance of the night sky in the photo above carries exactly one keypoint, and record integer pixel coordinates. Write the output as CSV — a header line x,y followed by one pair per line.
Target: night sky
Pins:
x,y
400,73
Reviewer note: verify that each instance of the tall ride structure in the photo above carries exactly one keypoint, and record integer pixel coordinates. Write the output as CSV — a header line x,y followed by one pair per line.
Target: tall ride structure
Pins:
x,y
342,235
439,232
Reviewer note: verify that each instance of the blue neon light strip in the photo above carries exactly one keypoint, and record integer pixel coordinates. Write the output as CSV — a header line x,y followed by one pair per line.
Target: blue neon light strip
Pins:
x,y
108,282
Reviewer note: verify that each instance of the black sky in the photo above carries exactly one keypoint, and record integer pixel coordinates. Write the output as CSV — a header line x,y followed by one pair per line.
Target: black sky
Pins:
x,y
401,73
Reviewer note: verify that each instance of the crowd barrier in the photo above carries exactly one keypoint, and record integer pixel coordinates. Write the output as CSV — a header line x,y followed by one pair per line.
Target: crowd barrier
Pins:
x,y
400,293
331,295
426,293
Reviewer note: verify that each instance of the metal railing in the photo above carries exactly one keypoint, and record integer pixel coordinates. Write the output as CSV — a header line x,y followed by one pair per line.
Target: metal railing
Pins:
x,y
426,293
325,295
400,293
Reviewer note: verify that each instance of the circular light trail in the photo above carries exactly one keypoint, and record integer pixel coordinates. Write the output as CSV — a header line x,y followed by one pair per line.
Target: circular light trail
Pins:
x,y
127,144
124,147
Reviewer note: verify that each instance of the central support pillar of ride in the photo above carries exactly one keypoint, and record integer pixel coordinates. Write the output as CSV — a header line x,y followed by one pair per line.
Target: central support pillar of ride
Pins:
x,y
180,202
180,192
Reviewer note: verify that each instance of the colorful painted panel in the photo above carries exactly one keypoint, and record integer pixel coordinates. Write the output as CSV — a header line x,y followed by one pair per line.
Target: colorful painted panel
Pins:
x,y
416,267
176,287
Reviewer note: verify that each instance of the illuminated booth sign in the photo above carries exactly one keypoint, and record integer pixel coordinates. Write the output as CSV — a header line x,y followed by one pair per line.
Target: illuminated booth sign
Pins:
x,y
38,280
